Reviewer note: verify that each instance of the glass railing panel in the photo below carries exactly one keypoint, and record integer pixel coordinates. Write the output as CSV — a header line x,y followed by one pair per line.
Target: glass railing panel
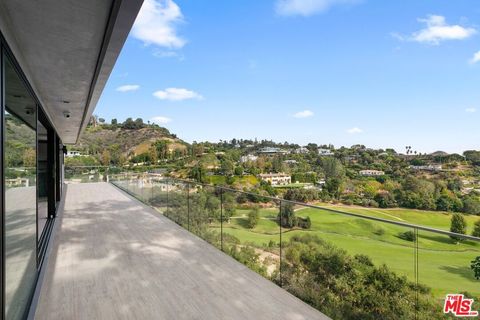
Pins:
x,y
205,212
348,267
159,194
177,206
250,233
446,266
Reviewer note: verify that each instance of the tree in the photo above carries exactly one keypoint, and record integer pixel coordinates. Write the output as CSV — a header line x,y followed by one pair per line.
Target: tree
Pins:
x,y
253,217
139,123
385,200
29,157
286,216
227,167
476,267
458,225
101,120
332,168
128,124
105,159
371,188
476,229
212,205
114,121
162,149
197,173
333,187
471,205
229,206
238,170
473,156
448,202
153,155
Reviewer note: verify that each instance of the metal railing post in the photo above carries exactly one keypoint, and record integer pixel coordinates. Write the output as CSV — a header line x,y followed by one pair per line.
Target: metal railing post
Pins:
x,y
221,219
188,206
167,205
415,259
280,245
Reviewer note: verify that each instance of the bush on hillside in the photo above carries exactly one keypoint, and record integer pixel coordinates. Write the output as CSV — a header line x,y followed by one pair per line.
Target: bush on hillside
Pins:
x,y
346,287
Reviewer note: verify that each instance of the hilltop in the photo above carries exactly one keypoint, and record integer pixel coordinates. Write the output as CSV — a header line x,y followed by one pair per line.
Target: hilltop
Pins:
x,y
130,141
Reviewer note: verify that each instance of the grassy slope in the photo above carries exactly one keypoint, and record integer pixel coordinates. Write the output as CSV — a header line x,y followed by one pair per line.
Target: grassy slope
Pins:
x,y
129,141
435,219
443,266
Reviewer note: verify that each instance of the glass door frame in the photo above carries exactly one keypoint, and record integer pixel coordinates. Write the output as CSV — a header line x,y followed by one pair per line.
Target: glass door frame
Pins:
x,y
54,182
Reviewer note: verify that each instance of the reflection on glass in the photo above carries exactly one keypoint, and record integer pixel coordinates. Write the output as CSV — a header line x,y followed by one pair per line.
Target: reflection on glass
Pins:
x,y
20,195
42,176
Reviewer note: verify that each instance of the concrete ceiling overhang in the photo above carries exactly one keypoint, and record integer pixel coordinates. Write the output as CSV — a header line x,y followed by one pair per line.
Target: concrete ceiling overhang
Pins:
x,y
67,50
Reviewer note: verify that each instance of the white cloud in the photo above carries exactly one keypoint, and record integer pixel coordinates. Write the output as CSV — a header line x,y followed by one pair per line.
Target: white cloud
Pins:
x,y
471,110
437,30
128,87
168,54
476,57
354,130
307,7
156,24
303,114
160,120
177,94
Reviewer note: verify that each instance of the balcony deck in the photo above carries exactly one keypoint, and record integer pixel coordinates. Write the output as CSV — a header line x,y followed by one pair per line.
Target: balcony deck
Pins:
x,y
113,257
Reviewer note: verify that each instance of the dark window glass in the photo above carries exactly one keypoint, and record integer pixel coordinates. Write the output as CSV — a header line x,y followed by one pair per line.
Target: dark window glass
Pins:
x,y
20,195
42,137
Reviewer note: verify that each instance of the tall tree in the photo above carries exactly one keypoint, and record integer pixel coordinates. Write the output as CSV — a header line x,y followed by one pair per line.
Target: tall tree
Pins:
x,y
286,216
253,217
105,158
458,225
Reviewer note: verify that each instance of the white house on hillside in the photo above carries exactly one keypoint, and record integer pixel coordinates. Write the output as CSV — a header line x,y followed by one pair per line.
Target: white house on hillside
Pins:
x,y
276,179
272,151
301,150
371,173
73,154
248,158
325,152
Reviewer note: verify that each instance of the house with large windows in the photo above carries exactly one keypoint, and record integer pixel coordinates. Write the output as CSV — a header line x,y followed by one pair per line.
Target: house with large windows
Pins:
x,y
55,58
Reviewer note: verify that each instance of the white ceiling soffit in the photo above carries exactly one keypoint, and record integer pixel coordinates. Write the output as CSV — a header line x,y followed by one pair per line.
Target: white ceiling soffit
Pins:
x,y
67,50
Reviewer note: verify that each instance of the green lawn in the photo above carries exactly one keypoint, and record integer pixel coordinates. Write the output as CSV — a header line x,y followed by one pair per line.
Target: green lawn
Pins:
x,y
443,265
434,219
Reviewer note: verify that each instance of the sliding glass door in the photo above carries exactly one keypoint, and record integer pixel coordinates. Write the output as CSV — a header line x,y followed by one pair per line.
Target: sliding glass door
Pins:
x,y
20,197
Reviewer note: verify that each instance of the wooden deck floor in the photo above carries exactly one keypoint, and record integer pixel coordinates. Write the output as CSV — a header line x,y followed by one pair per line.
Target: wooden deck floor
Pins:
x,y
115,258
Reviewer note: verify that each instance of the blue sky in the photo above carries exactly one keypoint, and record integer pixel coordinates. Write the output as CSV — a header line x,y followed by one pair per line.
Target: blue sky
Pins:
x,y
375,72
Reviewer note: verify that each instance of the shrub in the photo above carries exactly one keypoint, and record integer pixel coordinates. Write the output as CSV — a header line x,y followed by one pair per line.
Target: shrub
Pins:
x,y
253,217
379,231
346,287
408,236
364,259
476,267
304,223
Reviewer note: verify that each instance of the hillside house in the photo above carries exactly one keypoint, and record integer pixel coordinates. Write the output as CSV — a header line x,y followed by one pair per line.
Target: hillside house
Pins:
x,y
247,158
325,152
371,173
276,179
